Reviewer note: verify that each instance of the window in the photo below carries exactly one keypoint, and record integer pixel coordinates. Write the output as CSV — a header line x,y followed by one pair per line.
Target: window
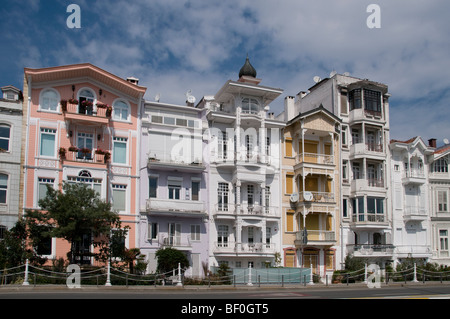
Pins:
x,y
49,100
85,145
354,99
250,195
441,165
372,101
222,199
249,146
344,208
195,190
120,150
222,145
119,197
44,246
152,186
267,199
5,131
289,258
288,148
195,232
250,235
48,137
356,171
344,170
121,111
152,231
289,184
86,99
250,106
443,240
85,177
174,189
3,188
42,187
222,236
289,221
442,201
268,236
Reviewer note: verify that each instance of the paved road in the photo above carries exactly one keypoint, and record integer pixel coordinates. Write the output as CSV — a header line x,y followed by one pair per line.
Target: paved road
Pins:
x,y
216,302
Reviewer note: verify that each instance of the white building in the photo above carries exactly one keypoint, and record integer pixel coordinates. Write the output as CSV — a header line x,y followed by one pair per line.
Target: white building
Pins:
x,y
173,196
243,173
439,187
10,153
410,198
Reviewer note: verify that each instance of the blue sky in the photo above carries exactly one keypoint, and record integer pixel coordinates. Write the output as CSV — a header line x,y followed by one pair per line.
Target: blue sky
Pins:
x,y
174,46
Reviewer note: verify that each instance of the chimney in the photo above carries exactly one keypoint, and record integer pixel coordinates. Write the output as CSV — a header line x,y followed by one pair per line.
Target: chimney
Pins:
x,y
133,80
432,142
289,108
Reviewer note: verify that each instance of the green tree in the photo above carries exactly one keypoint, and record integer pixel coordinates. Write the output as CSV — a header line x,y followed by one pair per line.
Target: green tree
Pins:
x,y
13,251
168,259
77,214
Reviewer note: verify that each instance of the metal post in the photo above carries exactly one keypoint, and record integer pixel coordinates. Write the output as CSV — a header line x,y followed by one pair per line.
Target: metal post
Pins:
x,y
108,275
311,280
179,283
365,273
415,273
25,281
282,280
249,283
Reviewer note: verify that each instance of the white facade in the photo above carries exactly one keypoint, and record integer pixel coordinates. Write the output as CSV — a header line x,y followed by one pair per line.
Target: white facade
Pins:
x,y
10,138
410,211
243,175
439,188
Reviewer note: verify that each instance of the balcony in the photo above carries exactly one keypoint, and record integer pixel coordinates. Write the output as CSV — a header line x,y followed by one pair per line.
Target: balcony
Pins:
x,y
176,207
369,221
371,250
86,114
244,248
315,158
370,150
177,242
363,115
180,164
415,213
315,238
414,177
85,156
363,184
231,210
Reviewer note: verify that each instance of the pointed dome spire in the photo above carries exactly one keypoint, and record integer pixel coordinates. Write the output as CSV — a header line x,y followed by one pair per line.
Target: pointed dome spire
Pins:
x,y
247,69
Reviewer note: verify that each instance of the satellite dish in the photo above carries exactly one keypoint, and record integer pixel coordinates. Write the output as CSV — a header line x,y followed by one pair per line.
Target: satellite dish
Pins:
x,y
316,79
346,73
307,196
189,97
446,141
333,73
294,197
157,97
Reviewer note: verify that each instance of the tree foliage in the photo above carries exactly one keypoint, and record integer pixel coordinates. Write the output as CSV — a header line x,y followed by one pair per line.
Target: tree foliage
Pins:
x,y
77,214
168,259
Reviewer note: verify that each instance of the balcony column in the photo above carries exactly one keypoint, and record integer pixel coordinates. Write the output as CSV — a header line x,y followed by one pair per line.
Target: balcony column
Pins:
x,y
238,235
263,197
363,134
303,146
332,144
262,142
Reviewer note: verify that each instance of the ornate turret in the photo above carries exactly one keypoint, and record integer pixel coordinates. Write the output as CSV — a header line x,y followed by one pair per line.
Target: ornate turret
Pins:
x,y
248,73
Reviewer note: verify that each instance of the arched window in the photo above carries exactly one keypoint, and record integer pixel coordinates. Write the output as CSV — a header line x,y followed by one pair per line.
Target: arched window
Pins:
x,y
121,111
250,106
86,100
5,134
49,100
84,173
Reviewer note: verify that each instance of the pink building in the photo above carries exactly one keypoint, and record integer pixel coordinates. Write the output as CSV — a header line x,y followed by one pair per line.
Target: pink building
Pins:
x,y
81,125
